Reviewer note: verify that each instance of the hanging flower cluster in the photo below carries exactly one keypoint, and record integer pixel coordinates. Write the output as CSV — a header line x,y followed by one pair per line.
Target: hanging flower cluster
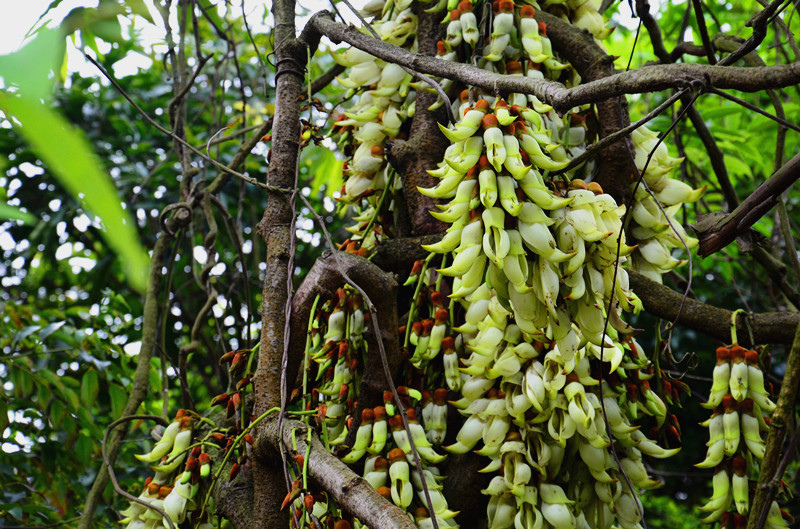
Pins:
x,y
182,464
377,115
335,351
533,262
171,490
657,201
532,335
741,407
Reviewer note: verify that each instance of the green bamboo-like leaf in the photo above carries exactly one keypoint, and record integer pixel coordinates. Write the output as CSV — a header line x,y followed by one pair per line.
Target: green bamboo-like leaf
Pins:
x,y
50,329
29,68
67,154
11,213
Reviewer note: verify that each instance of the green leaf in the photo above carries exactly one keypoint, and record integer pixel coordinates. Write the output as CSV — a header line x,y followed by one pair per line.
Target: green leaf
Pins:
x,y
24,333
90,387
210,11
83,449
57,413
50,329
23,382
138,7
3,415
60,384
107,29
87,420
119,397
327,170
68,155
44,395
29,68
11,213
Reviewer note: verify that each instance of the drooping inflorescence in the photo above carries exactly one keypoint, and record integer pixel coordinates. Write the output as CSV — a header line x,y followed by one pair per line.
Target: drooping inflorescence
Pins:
x,y
530,345
741,408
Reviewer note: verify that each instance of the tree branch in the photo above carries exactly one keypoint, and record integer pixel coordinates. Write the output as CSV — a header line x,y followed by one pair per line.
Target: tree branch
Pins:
x,y
714,238
350,490
647,79
663,302
322,280
768,479
276,229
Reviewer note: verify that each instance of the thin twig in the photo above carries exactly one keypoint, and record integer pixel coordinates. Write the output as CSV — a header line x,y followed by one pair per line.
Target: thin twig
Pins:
x,y
180,140
754,108
701,26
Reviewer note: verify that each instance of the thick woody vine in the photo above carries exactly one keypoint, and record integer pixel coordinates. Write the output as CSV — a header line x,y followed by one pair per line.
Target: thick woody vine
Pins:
x,y
516,316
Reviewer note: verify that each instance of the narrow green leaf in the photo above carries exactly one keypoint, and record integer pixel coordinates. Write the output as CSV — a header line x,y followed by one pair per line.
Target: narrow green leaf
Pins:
x,y
69,157
11,213
24,333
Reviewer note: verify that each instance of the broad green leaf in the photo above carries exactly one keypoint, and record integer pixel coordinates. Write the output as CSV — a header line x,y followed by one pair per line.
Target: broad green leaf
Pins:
x,y
83,448
87,420
11,213
23,382
60,384
44,395
107,29
89,388
324,167
69,157
737,166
